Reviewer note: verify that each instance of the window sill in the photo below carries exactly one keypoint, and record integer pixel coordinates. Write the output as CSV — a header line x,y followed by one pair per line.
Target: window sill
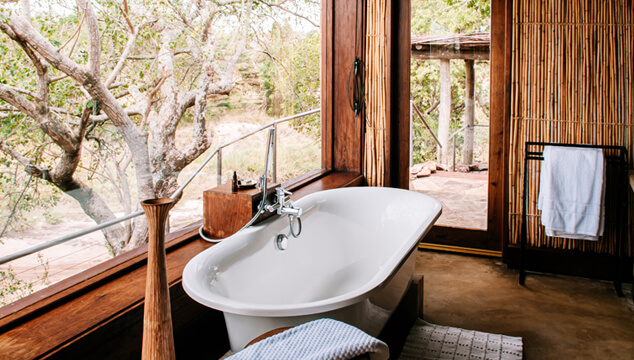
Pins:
x,y
54,318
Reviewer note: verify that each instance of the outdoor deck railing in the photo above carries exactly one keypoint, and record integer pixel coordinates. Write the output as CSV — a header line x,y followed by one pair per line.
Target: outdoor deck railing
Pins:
x,y
217,151
452,137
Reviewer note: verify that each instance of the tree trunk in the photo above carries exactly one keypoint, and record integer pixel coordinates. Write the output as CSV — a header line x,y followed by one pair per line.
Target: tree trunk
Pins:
x,y
445,111
469,112
93,206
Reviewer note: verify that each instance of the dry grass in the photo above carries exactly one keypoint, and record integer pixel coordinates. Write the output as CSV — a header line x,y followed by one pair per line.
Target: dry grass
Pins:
x,y
298,153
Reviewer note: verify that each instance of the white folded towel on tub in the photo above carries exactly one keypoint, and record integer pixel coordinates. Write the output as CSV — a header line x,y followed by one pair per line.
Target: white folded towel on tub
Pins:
x,y
571,195
320,339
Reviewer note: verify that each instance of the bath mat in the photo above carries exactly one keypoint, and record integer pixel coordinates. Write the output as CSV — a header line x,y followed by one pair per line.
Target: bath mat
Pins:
x,y
428,341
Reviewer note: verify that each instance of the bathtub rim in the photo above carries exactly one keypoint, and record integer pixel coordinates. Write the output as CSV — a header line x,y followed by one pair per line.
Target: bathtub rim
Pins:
x,y
374,285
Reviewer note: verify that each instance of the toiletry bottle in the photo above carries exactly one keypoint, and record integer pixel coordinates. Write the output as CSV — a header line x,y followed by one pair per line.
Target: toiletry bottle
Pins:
x,y
234,182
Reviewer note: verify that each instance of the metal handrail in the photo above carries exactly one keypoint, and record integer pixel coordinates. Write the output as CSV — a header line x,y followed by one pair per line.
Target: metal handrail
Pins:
x,y
453,136
420,116
217,150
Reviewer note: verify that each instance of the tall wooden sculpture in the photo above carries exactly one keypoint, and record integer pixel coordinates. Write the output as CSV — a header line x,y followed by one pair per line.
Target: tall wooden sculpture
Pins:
x,y
158,337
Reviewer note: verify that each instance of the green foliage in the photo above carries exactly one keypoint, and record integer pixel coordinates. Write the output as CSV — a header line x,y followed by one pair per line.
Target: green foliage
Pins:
x,y
13,288
450,16
290,76
18,195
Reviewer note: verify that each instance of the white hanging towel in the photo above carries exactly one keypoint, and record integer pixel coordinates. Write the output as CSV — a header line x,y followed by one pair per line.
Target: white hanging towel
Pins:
x,y
571,195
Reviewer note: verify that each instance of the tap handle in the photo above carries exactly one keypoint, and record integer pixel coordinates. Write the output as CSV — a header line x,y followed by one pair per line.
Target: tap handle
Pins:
x,y
281,192
261,183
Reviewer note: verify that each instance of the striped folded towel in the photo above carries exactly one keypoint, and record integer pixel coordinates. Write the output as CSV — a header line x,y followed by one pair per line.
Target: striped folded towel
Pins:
x,y
320,339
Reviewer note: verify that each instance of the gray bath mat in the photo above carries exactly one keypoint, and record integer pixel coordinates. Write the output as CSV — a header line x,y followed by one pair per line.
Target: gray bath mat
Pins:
x,y
428,341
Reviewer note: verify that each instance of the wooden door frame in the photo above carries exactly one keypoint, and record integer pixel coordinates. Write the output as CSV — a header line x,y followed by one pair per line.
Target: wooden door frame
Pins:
x,y
495,236
342,133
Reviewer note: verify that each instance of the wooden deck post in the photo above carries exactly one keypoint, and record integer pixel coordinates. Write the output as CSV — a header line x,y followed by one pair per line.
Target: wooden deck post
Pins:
x,y
445,111
469,112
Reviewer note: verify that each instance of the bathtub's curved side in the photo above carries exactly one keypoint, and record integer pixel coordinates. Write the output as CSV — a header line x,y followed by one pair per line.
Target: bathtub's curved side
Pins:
x,y
369,315
363,237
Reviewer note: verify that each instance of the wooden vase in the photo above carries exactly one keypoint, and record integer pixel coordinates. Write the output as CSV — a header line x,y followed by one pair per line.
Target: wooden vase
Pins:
x,y
158,337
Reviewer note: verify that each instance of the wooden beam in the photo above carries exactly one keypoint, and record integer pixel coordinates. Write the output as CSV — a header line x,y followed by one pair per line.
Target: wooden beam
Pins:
x,y
399,48
500,100
327,84
438,53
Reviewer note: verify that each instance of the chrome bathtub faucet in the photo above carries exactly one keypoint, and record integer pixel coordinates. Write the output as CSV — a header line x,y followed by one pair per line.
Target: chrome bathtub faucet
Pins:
x,y
284,206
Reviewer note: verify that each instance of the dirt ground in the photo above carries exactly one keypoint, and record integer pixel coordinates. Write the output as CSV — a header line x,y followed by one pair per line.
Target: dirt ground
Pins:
x,y
463,197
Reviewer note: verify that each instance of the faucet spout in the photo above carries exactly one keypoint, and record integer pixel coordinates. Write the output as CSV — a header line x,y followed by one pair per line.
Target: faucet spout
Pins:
x,y
290,210
284,206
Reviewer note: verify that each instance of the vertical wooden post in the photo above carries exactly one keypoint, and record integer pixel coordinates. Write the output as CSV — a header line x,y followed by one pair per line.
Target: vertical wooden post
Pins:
x,y
158,337
445,111
219,168
469,112
411,134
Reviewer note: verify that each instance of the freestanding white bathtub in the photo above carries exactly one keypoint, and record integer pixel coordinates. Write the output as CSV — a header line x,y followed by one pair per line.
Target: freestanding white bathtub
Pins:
x,y
352,262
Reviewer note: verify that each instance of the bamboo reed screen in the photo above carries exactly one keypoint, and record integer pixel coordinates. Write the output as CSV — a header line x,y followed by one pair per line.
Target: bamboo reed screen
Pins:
x,y
375,92
573,68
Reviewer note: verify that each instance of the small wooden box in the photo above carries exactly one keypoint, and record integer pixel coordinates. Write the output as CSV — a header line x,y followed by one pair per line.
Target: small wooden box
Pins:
x,y
225,212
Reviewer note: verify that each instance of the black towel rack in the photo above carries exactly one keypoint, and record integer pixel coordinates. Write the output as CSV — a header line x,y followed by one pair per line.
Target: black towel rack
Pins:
x,y
619,161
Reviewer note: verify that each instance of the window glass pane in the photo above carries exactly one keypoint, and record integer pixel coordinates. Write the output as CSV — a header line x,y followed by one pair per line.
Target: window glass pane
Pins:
x,y
177,82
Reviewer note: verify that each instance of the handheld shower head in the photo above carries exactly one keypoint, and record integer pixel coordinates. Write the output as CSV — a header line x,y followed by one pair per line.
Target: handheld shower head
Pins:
x,y
270,148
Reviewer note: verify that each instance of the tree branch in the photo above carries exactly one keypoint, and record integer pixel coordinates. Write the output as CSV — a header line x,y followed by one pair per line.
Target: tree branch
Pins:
x,y
21,91
26,33
124,11
13,97
76,33
94,54
56,131
25,7
152,57
279,6
15,206
126,52
30,168
58,78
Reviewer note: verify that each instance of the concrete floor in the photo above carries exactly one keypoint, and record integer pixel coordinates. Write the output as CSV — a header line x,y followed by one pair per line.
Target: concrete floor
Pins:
x,y
558,317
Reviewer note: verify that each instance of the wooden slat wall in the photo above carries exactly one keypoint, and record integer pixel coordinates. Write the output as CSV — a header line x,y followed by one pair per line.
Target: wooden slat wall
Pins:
x,y
573,62
376,87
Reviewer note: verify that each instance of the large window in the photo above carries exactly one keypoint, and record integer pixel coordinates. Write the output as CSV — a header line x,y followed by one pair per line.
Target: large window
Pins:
x,y
124,103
